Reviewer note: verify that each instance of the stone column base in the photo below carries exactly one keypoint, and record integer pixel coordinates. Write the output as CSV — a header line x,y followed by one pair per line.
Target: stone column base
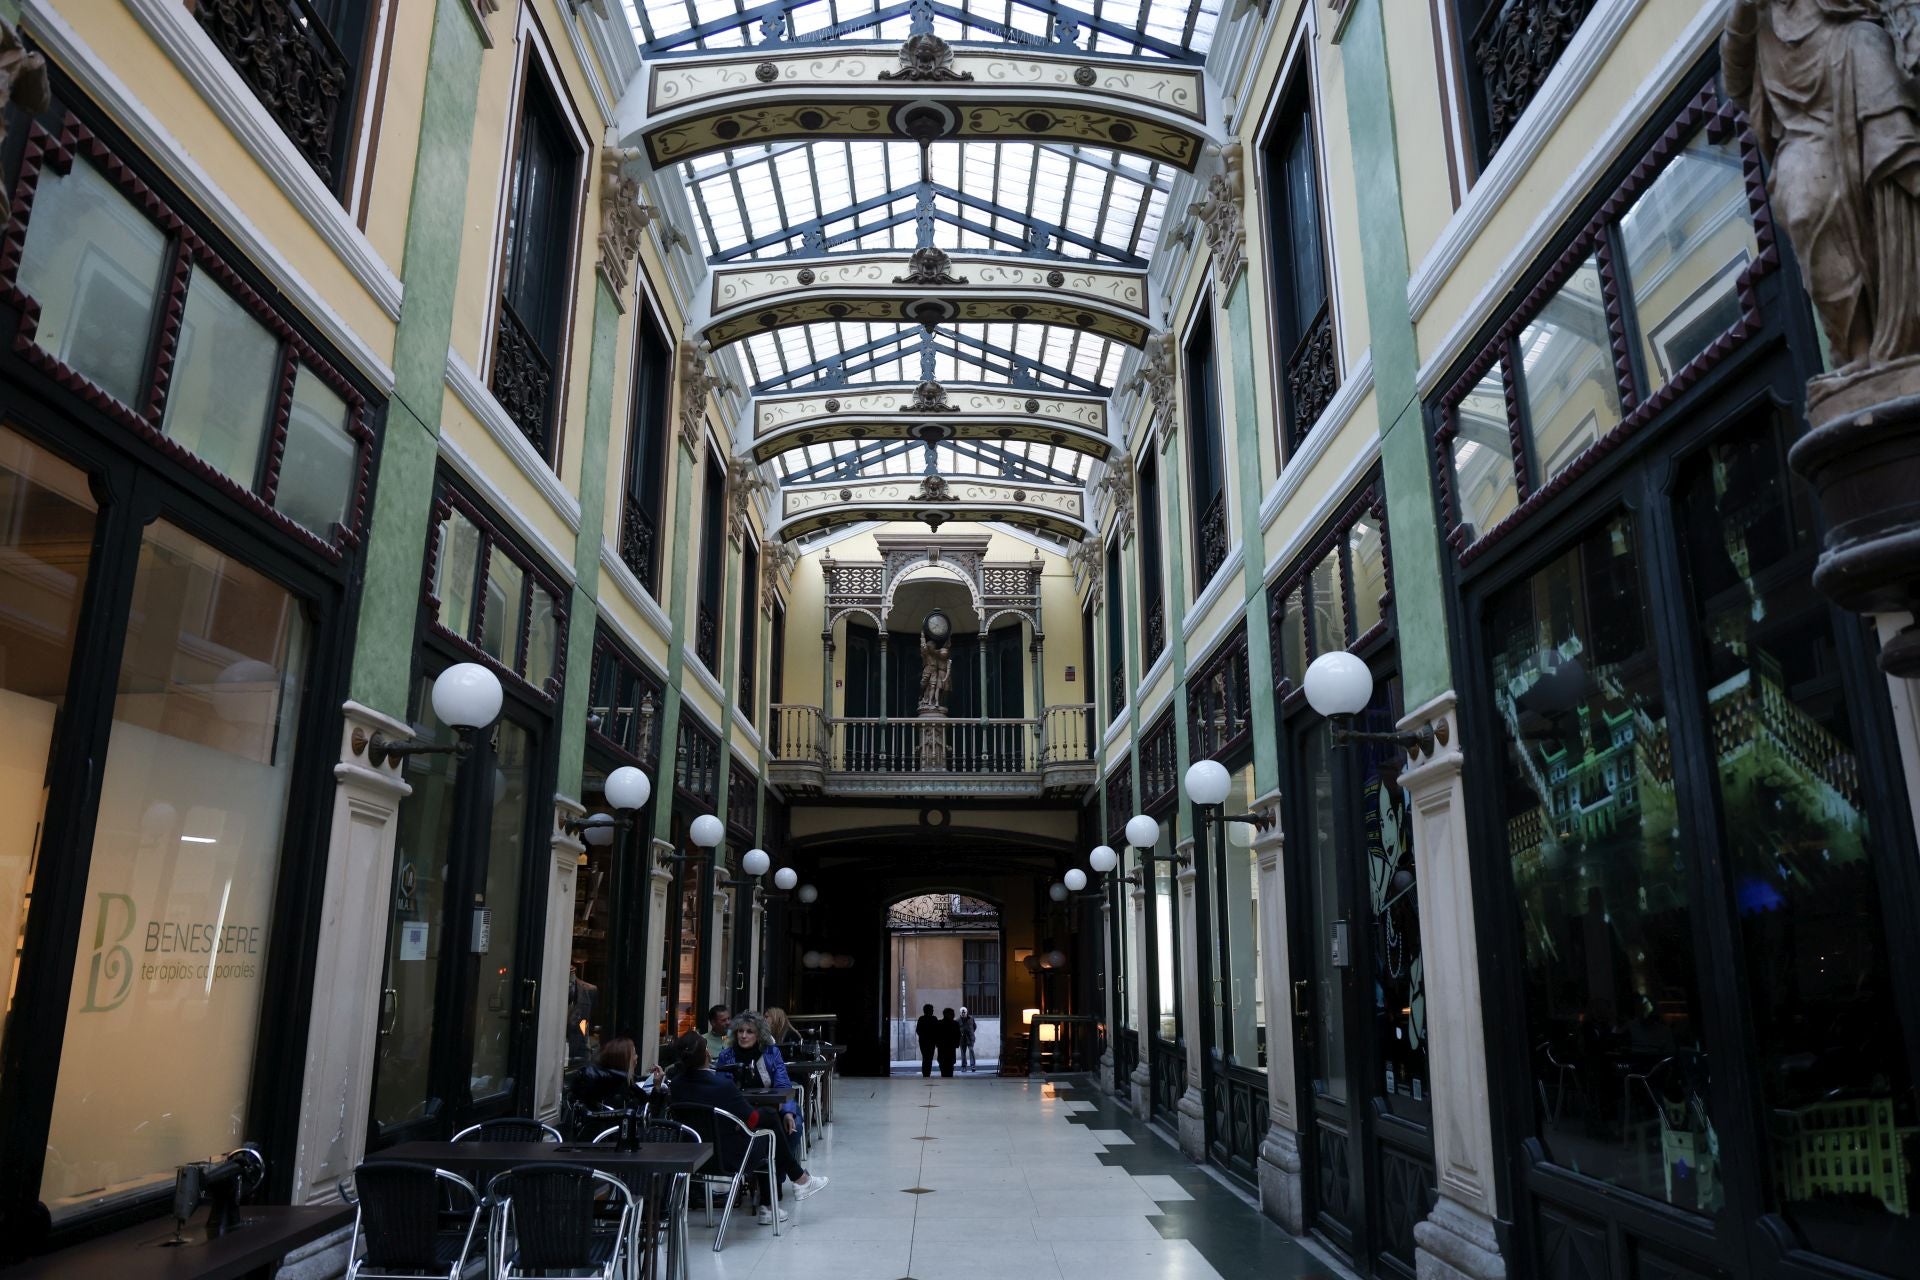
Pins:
x,y
1142,1082
1193,1125
1457,1243
1280,1178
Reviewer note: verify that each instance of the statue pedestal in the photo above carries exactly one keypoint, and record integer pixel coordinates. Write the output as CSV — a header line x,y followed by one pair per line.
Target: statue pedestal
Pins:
x,y
1862,460
933,740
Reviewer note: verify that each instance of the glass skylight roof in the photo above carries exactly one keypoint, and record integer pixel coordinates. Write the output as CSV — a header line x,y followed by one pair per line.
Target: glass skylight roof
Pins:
x,y
838,197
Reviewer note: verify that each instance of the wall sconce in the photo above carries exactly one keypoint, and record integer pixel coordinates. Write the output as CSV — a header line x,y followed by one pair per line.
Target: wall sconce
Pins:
x,y
706,833
1339,687
1143,833
627,790
1208,783
466,698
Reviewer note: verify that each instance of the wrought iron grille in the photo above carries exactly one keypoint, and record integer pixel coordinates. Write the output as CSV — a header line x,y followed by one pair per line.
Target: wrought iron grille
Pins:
x,y
1515,46
1155,638
743,800
637,543
706,637
696,767
522,378
1119,801
1313,375
1219,700
1159,762
1118,680
1213,538
285,53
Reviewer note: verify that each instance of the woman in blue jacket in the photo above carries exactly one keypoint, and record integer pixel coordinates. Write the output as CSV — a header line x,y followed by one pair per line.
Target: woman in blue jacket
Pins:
x,y
750,1045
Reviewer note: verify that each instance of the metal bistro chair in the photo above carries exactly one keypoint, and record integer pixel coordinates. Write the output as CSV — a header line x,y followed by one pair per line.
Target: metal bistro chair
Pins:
x,y
736,1148
546,1220
408,1218
508,1129
665,1213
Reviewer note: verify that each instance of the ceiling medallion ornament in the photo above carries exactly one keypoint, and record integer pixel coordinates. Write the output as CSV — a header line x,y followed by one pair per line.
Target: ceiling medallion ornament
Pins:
x,y
930,265
929,397
933,489
1084,77
1033,406
1056,278
926,57
805,275
833,405
766,73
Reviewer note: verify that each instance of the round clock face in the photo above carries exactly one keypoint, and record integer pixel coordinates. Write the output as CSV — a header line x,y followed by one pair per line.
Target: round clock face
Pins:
x,y
937,627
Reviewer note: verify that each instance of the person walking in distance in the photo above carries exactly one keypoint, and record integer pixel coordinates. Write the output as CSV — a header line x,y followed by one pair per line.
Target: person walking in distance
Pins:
x,y
947,1038
928,1032
969,1032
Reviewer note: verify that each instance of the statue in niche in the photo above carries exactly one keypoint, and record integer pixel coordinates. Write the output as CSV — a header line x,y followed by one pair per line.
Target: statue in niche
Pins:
x,y
1829,86
936,673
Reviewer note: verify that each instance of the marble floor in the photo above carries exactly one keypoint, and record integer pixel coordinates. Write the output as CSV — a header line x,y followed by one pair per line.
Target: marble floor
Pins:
x,y
985,1178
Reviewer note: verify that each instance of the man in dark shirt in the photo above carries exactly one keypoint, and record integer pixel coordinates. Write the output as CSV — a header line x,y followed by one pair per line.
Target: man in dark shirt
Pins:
x,y
947,1039
928,1030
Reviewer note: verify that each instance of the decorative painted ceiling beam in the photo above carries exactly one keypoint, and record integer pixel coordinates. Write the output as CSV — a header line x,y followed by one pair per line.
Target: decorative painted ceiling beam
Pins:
x,y
925,91
896,412
774,24
929,288
838,371
919,430
933,500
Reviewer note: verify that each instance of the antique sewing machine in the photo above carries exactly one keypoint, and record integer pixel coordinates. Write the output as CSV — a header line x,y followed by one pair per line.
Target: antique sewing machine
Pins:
x,y
218,1184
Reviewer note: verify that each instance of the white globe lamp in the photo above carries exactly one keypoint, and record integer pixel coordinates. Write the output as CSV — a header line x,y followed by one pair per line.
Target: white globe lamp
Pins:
x,y
598,830
466,696
1075,879
755,862
1240,834
1058,892
1142,832
1103,859
807,894
1338,684
627,788
785,878
1208,783
811,960
708,831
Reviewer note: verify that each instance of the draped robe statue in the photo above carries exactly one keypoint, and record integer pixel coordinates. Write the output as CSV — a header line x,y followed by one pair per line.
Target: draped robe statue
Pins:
x,y
935,675
1829,88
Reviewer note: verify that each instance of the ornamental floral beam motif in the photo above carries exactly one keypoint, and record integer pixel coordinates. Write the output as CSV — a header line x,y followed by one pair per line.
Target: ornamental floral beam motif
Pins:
x,y
899,427
1059,510
775,413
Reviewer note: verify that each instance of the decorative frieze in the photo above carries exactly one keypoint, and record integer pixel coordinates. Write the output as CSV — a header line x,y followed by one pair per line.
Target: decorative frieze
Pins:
x,y
1117,485
625,217
926,58
1155,377
698,380
743,481
1220,217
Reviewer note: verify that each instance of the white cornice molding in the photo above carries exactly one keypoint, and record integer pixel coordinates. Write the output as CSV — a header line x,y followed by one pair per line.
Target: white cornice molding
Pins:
x,y
1301,531
558,562
1116,729
1160,667
197,58
1228,572
746,730
1204,645
58,38
480,402
1333,420
707,679
1459,236
635,594
589,62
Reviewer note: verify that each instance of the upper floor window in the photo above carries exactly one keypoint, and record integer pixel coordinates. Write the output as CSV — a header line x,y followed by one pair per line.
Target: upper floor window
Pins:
x,y
492,597
1509,47
749,626
534,285
649,446
1153,602
302,59
1303,321
1206,460
1338,597
713,563
1116,635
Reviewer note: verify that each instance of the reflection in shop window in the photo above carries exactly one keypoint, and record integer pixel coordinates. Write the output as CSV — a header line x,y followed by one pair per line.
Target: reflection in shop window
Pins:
x,y
1612,1003
322,458
1567,376
181,880
1166,941
1399,978
226,377
1483,482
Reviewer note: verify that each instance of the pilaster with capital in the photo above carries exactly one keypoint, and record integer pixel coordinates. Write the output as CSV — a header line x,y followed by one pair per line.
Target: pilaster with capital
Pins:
x,y
344,1027
1192,1105
1280,1146
1456,1241
551,1000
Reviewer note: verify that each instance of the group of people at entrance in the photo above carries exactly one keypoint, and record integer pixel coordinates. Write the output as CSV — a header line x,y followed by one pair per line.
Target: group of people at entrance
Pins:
x,y
946,1036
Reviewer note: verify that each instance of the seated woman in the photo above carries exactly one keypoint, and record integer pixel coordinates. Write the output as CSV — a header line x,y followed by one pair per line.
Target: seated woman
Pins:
x,y
607,1083
751,1045
780,1031
697,1084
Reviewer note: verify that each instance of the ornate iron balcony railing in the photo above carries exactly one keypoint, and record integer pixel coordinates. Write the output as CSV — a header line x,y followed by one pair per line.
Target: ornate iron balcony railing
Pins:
x,y
285,53
706,638
1313,375
1515,47
522,378
1213,539
636,543
872,755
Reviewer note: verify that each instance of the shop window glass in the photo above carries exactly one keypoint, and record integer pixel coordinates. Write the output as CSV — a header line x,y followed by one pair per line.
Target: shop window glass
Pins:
x,y
94,264
1329,1041
322,459
1166,941
496,918
1833,1066
590,978
1686,240
1329,611
1483,483
500,624
543,637
1238,905
1367,554
403,1085
454,571
1393,906
47,518
1293,639
1567,376
723,902
181,880
1599,870
226,375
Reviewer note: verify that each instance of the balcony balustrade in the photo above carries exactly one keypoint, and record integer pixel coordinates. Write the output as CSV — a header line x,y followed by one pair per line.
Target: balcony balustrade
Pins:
x,y
1050,754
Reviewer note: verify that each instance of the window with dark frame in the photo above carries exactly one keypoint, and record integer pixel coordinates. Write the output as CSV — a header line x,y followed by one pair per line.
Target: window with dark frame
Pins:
x,y
1507,50
1153,596
1303,318
980,976
749,627
1206,458
777,655
492,598
1116,635
713,563
649,449
534,286
304,60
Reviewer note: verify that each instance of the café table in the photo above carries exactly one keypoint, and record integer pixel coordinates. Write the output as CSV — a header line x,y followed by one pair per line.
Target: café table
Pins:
x,y
266,1235
644,1168
812,1076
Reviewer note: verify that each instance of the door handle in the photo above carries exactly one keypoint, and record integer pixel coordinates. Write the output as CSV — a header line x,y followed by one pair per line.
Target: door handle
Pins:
x,y
1300,999
389,1010
529,994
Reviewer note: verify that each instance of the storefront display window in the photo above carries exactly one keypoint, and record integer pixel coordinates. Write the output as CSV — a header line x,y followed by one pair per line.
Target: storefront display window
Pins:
x,y
1244,1026
1842,1135
1482,452
225,379
1567,374
497,999
1328,1055
1166,940
47,518
186,855
1393,907
1612,999
321,463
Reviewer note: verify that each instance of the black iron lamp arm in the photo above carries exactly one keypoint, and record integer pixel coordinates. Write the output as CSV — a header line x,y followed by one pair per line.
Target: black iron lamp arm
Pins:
x,y
1422,740
580,826
381,749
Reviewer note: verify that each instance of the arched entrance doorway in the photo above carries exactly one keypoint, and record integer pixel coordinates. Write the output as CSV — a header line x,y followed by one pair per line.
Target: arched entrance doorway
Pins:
x,y
944,950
